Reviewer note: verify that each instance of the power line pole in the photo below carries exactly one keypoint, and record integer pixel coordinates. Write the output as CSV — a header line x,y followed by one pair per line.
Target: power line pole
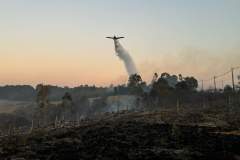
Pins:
x,y
233,85
214,81
202,85
222,84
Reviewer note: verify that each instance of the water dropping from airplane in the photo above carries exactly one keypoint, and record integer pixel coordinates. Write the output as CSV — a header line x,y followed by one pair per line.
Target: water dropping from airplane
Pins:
x,y
124,56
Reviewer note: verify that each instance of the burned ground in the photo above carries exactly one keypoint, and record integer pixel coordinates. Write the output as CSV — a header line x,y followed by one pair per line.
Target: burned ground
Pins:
x,y
136,135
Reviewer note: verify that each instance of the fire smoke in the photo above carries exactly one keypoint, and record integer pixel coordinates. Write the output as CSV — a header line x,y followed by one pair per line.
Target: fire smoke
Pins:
x,y
126,58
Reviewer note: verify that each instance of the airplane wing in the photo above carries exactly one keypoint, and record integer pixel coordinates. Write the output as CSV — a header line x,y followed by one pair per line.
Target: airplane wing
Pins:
x,y
120,37
110,37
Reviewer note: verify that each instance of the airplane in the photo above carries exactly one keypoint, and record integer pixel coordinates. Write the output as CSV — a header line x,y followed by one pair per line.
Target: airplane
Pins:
x,y
115,38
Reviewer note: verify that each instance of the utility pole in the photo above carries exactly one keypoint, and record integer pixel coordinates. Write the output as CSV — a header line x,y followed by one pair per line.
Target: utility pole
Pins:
x,y
214,81
202,85
233,85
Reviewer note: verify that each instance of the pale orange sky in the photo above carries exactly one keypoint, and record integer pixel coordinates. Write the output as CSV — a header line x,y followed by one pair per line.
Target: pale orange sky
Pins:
x,y
62,43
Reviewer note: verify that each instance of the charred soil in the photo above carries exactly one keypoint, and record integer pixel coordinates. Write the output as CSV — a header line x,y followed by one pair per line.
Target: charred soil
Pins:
x,y
125,136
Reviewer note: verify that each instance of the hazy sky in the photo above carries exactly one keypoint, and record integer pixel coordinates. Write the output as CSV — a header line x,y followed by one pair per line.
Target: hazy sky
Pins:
x,y
62,41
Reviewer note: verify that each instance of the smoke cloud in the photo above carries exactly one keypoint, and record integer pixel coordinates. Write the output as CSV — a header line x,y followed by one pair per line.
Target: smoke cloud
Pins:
x,y
126,58
202,63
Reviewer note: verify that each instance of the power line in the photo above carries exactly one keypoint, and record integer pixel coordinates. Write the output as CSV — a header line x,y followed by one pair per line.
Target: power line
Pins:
x,y
221,75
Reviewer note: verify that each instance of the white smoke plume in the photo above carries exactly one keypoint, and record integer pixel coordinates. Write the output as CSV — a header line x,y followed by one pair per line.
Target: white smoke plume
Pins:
x,y
126,58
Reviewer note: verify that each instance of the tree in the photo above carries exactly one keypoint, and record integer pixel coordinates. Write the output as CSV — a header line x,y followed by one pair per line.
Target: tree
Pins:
x,y
192,83
67,100
227,89
67,96
182,85
135,84
42,95
172,80
187,83
134,80
180,77
165,75
160,88
155,77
